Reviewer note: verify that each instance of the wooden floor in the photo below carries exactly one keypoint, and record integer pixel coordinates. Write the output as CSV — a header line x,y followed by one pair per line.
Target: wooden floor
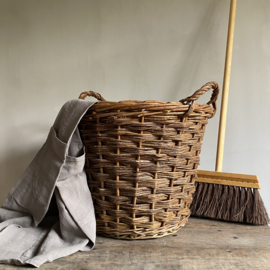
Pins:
x,y
201,244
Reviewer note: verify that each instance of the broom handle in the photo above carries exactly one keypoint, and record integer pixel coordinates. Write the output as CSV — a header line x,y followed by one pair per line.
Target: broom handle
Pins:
x,y
225,89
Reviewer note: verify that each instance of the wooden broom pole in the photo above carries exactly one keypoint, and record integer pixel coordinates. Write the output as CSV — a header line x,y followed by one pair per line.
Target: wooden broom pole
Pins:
x,y
225,89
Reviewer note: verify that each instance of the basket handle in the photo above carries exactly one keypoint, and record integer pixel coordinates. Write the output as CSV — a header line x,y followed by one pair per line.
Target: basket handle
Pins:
x,y
205,88
98,96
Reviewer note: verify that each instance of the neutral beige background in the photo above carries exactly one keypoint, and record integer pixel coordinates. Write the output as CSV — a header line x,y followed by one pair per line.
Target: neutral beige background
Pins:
x,y
52,50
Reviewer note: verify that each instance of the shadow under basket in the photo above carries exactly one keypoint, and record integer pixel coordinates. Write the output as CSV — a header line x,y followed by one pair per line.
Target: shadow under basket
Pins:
x,y
141,162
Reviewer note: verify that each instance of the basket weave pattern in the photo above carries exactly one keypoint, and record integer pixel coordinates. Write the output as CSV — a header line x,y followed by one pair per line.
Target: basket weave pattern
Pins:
x,y
141,162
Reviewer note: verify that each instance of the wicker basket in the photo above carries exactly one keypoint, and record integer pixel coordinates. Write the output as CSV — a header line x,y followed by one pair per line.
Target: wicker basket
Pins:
x,y
141,162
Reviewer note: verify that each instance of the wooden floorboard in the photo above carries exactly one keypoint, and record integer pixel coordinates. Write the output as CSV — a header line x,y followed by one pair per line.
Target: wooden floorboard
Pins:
x,y
201,244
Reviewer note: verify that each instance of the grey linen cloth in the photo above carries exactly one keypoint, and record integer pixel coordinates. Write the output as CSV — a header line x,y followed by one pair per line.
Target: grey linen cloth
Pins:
x,y
49,213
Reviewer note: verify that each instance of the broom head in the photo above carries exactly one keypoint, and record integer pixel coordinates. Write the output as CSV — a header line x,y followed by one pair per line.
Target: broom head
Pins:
x,y
229,196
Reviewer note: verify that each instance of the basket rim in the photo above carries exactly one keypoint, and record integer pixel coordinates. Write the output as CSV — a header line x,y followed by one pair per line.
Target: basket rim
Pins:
x,y
100,106
135,101
189,102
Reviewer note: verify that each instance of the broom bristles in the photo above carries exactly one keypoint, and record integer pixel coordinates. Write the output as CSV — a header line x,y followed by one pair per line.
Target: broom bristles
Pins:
x,y
211,212
222,202
235,205
248,217
229,203
206,200
196,197
243,203
201,200
260,215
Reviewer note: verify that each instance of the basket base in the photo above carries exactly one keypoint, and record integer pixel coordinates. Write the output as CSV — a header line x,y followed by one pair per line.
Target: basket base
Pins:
x,y
144,234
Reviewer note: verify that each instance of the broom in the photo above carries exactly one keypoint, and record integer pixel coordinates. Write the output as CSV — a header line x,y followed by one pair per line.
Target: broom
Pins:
x,y
228,196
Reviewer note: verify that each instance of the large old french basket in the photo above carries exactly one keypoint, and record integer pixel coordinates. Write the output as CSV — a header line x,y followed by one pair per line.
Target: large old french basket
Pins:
x,y
141,162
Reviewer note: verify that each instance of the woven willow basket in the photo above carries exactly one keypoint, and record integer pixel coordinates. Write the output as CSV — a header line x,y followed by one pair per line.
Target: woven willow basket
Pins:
x,y
141,162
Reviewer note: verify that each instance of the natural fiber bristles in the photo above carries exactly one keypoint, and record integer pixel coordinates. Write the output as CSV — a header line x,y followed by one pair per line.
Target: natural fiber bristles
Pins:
x,y
196,197
237,204
235,207
212,210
